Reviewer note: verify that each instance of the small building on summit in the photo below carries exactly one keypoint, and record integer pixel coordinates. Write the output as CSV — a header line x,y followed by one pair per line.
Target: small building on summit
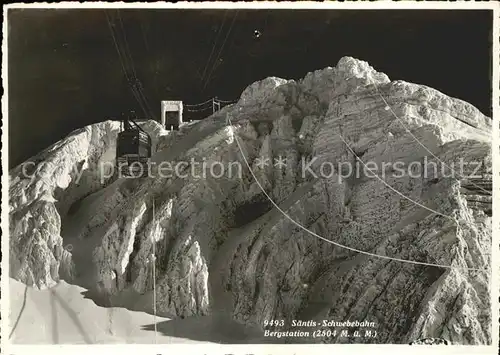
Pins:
x,y
171,115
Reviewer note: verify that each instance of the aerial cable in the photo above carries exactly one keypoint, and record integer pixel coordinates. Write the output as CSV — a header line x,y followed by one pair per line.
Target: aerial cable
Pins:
x,y
200,104
123,65
423,145
153,260
392,188
129,63
414,262
128,54
199,110
220,51
143,31
214,45
209,101
116,44
454,220
145,100
136,81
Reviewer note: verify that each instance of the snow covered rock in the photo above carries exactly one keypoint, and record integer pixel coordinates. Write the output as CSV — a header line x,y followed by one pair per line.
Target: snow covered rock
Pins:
x,y
43,189
221,243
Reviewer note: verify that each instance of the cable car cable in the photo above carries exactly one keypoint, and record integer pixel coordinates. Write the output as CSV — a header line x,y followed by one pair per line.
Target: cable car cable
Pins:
x,y
221,49
123,65
214,45
136,82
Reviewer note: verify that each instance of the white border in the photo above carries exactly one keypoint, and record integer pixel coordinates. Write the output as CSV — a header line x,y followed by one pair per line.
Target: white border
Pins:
x,y
248,348
495,146
216,349
376,5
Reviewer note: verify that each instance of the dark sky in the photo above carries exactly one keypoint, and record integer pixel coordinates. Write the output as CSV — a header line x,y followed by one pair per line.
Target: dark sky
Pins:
x,y
65,73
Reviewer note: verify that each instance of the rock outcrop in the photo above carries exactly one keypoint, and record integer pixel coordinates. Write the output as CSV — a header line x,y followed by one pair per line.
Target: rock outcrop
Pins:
x,y
223,246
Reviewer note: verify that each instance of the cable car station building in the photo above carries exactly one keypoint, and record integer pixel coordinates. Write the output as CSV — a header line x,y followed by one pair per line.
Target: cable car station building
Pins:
x,y
171,115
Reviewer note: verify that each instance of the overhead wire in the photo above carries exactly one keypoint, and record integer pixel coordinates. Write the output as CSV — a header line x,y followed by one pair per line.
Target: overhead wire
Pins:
x,y
423,145
220,51
136,82
127,48
214,46
414,262
143,32
198,107
128,67
123,64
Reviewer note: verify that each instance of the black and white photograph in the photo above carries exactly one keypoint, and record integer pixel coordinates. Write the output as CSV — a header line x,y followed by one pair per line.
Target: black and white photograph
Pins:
x,y
250,174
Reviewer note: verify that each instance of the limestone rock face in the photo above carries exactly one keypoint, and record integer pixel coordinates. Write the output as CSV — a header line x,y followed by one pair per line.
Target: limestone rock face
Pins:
x,y
43,189
236,202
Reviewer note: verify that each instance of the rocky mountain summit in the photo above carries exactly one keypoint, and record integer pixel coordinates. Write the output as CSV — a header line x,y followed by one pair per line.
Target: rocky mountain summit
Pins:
x,y
222,245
